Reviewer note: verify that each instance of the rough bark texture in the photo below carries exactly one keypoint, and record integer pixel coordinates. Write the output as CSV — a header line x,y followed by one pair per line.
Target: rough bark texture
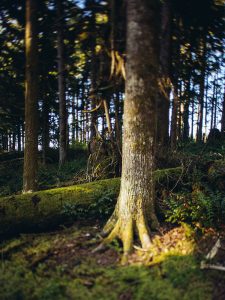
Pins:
x,y
61,87
135,206
31,98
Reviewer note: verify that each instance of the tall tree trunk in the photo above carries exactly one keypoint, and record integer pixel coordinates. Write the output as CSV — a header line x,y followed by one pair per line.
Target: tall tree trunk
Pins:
x,y
201,91
223,115
18,138
173,134
164,91
77,118
192,117
135,205
186,111
31,99
73,125
45,129
61,85
215,106
94,114
206,108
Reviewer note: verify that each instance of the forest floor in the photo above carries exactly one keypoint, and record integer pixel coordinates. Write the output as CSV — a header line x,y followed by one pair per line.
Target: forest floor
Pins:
x,y
61,265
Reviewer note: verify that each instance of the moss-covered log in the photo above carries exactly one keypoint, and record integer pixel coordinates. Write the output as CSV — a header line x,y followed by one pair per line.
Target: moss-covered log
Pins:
x,y
47,209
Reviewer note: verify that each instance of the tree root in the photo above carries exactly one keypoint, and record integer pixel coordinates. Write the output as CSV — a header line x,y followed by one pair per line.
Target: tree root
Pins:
x,y
124,229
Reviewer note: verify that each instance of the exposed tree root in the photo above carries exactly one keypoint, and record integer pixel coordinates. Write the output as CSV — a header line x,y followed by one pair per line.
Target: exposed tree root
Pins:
x,y
124,229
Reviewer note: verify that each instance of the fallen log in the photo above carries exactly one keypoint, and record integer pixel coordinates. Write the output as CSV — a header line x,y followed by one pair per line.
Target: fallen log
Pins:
x,y
45,210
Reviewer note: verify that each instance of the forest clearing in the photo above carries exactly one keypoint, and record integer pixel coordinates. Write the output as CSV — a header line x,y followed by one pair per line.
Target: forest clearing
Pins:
x,y
112,149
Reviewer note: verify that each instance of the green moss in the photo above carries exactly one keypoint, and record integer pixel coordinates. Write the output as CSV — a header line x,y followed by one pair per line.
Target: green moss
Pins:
x,y
177,276
46,209
167,174
49,208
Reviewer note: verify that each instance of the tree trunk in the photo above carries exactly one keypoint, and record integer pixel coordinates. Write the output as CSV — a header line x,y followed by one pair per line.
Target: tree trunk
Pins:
x,y
94,114
202,91
206,109
73,125
173,134
18,138
215,106
31,99
45,129
61,86
192,115
223,115
164,91
186,112
135,205
107,116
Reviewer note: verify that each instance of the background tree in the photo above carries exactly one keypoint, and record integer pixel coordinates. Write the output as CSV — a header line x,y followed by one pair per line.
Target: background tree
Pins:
x,y
31,99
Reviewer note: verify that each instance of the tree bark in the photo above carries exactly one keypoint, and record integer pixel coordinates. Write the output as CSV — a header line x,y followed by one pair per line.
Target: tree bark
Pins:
x,y
31,99
135,205
61,86
164,91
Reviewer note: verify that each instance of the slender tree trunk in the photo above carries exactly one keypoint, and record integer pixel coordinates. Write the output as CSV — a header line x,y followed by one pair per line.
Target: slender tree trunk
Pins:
x,y
202,92
107,116
180,112
23,137
118,131
77,118
73,126
206,109
186,112
215,106
135,206
13,141
223,115
173,134
61,85
31,99
94,114
19,137
45,129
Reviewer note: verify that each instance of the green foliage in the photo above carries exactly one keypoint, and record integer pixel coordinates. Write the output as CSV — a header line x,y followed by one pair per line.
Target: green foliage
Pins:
x,y
208,209
48,176
11,176
101,208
